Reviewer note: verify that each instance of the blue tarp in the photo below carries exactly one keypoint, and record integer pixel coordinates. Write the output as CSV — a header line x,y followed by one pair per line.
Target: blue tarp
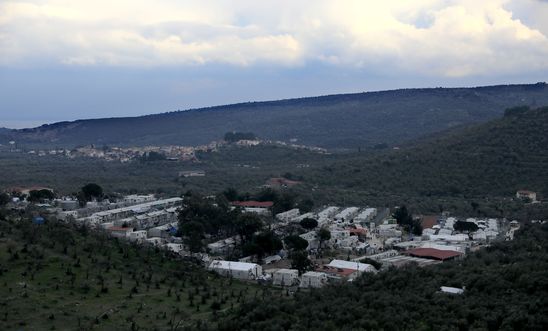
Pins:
x,y
38,220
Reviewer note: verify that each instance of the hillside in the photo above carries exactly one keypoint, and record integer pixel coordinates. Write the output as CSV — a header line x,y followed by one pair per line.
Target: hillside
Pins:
x,y
336,121
493,159
58,276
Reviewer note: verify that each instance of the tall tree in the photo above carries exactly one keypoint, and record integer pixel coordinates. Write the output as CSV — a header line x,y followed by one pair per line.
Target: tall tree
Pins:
x,y
300,261
324,235
193,232
92,190
246,225
309,223
295,243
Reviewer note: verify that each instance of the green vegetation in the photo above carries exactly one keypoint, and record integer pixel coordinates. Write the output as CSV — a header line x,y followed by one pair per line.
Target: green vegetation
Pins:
x,y
309,223
405,220
232,137
60,276
462,226
40,195
358,120
506,288
91,191
471,171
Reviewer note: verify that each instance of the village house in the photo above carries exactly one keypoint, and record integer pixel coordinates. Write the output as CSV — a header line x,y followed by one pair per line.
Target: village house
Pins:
x,y
526,195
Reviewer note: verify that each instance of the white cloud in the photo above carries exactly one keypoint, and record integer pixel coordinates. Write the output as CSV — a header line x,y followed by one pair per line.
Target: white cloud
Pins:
x,y
452,38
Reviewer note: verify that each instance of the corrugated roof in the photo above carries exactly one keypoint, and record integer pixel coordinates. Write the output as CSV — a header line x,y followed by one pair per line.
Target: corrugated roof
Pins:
x,y
351,265
433,253
232,265
260,204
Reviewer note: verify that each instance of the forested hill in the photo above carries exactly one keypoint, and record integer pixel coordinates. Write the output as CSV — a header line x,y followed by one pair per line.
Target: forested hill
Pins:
x,y
336,121
493,159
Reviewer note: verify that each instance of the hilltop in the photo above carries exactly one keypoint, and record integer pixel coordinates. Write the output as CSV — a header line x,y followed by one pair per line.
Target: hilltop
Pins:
x,y
334,121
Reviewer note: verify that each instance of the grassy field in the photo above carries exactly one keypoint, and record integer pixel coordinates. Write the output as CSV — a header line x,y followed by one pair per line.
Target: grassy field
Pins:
x,y
58,277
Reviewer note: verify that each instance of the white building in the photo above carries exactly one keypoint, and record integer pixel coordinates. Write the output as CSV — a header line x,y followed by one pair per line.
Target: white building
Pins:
x,y
367,215
238,270
303,216
135,199
312,239
175,248
313,279
326,215
451,290
285,277
124,212
347,214
526,195
362,267
138,236
289,215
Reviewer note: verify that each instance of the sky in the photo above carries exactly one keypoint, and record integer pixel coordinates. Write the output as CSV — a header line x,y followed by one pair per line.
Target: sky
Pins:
x,y
71,59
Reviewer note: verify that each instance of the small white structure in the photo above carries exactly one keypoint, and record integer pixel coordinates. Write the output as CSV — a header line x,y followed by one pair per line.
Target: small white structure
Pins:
x,y
271,259
289,215
312,239
313,279
347,214
328,212
138,235
285,277
451,290
366,215
526,195
362,267
175,248
119,232
137,199
239,270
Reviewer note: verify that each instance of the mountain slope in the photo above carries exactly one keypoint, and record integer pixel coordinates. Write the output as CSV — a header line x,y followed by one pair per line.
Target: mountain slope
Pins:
x,y
337,121
493,159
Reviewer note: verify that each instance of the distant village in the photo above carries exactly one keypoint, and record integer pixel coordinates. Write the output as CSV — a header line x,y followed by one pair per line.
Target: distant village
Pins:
x,y
145,153
342,242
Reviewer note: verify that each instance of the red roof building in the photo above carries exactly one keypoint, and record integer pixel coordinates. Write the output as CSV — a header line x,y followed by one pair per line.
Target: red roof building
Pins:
x,y
253,204
432,253
428,221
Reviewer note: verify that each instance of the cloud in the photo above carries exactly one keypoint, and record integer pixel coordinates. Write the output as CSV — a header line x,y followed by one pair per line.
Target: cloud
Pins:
x,y
447,38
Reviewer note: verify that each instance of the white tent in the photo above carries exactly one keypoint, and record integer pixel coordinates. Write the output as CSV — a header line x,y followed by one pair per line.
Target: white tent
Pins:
x,y
239,270
362,267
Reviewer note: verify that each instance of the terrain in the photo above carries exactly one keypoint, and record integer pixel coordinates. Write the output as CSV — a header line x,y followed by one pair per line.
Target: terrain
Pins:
x,y
472,170
336,121
506,288
57,276
489,160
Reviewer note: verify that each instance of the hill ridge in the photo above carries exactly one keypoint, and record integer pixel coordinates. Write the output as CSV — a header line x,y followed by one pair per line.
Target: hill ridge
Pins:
x,y
334,121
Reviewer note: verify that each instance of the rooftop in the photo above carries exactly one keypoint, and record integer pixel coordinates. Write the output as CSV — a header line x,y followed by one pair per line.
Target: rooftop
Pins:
x,y
260,204
433,253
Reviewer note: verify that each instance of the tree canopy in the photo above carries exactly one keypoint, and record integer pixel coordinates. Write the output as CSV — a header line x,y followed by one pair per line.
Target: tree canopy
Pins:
x,y
92,190
463,226
309,223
